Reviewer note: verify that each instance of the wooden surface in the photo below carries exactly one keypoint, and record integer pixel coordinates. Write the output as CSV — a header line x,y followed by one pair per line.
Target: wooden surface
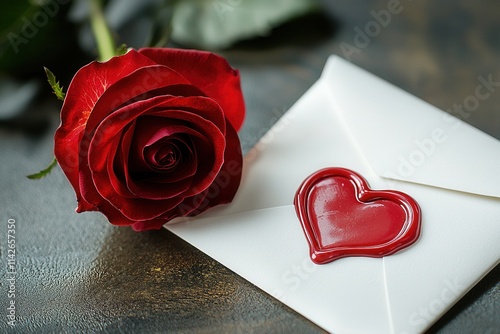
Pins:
x,y
77,273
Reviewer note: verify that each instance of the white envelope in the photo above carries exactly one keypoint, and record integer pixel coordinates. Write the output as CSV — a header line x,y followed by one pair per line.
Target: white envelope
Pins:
x,y
350,118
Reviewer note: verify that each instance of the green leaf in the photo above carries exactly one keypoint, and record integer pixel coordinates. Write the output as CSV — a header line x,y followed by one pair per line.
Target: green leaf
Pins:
x,y
217,24
54,84
121,50
43,172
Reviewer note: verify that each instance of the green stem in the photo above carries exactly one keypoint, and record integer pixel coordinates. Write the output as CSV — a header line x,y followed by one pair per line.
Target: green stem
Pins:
x,y
102,34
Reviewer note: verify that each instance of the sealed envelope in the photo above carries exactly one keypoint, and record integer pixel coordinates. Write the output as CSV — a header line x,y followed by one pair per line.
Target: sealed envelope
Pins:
x,y
351,119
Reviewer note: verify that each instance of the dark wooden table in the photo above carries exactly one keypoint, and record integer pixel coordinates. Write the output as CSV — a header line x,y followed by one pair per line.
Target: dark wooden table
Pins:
x,y
77,273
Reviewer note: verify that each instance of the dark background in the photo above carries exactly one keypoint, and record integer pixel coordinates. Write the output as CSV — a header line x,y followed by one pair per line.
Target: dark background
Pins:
x,y
77,273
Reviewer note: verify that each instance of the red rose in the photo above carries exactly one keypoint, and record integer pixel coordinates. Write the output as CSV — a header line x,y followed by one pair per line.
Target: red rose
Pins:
x,y
151,135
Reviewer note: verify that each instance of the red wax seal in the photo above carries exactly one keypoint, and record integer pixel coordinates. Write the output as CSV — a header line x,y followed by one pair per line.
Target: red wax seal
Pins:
x,y
341,216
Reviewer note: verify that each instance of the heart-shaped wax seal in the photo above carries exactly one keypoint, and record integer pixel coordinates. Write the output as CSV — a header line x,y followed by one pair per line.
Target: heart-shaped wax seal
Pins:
x,y
341,216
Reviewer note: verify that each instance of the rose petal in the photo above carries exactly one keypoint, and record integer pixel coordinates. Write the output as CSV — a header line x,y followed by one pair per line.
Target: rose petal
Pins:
x,y
224,187
210,157
189,157
158,126
116,218
207,171
115,163
153,191
132,87
182,90
154,224
127,88
168,155
222,191
84,90
229,178
176,174
207,109
144,145
135,209
209,72
200,106
95,183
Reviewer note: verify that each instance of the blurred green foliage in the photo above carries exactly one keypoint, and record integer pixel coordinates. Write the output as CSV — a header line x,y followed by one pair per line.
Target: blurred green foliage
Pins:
x,y
34,34
217,24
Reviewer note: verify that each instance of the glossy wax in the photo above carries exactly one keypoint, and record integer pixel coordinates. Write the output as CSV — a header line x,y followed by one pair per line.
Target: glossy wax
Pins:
x,y
340,219
341,216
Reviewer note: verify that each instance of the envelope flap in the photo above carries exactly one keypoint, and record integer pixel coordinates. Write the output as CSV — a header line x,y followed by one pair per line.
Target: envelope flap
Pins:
x,y
404,138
